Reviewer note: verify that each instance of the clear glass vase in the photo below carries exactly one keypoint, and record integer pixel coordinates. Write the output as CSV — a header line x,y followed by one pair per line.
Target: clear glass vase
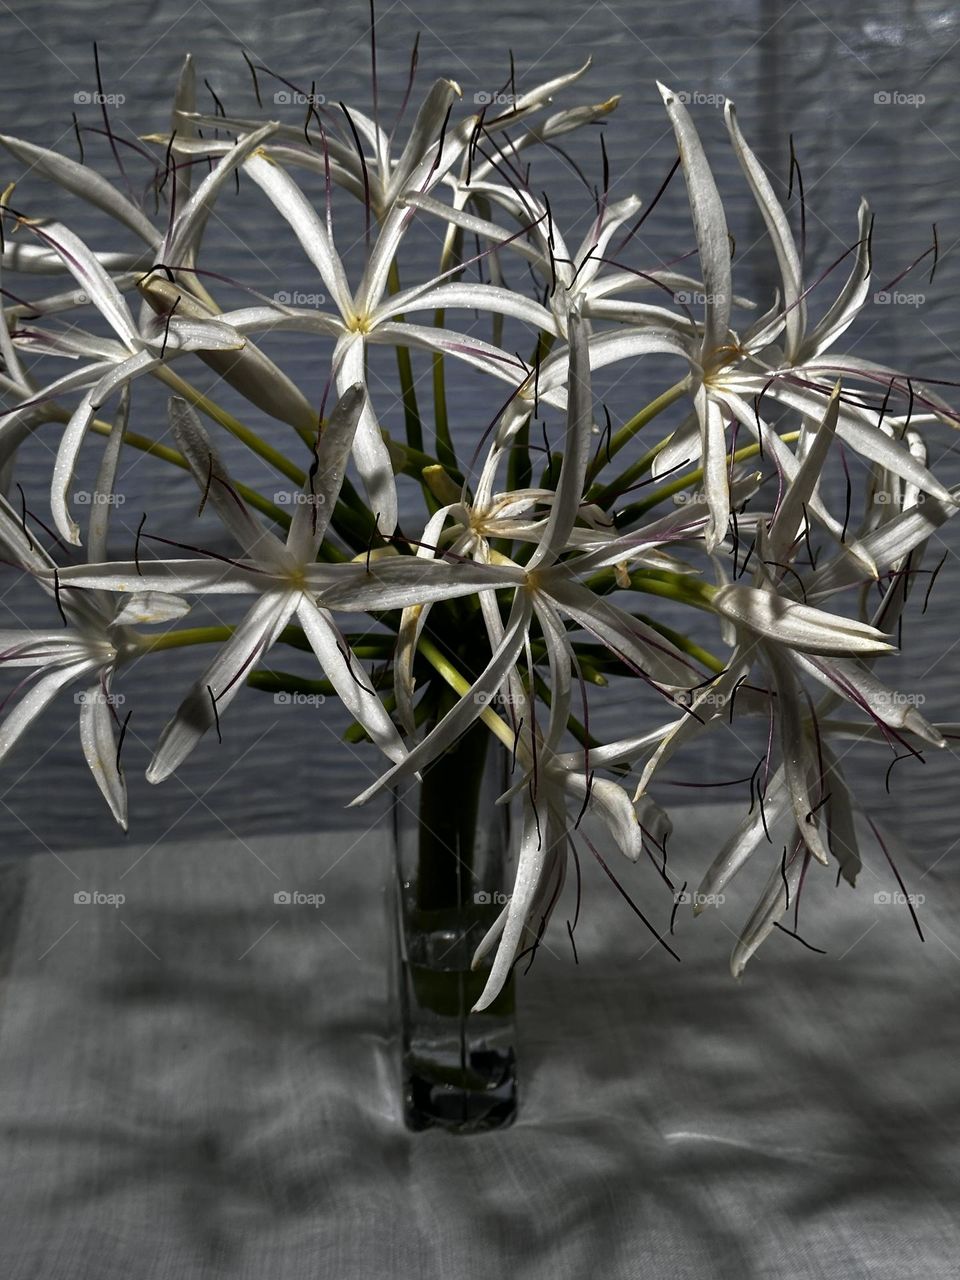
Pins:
x,y
450,874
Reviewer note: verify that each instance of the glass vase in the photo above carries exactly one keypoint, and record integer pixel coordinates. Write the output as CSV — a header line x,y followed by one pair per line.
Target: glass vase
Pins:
x,y
451,855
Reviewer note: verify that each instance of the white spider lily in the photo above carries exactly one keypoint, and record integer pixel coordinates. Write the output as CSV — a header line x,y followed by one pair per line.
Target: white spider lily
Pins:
x,y
382,174
734,372
136,350
139,346
366,316
97,639
544,587
283,574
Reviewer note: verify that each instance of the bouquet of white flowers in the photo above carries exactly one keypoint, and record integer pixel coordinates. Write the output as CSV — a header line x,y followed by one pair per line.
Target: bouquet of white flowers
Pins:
x,y
522,584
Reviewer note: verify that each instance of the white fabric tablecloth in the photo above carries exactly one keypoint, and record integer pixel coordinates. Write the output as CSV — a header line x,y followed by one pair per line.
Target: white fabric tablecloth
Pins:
x,y
198,1083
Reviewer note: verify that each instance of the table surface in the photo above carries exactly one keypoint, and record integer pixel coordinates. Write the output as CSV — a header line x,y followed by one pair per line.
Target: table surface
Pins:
x,y
198,1082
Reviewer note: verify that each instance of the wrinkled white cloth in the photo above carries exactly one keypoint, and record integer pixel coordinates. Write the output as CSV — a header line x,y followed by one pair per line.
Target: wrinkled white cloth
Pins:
x,y
198,1082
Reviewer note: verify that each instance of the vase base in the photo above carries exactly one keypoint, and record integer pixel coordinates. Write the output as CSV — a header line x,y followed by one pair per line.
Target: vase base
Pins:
x,y
484,1097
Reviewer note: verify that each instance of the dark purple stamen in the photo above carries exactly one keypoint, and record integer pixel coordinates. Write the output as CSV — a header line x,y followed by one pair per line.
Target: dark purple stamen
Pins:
x,y
791,934
650,208
630,902
76,130
121,739
216,713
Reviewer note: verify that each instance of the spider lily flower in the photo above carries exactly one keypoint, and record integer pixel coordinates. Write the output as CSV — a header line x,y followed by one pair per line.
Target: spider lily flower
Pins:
x,y
543,587
115,362
570,279
366,315
97,640
249,371
546,590
476,522
382,173
139,346
284,575
729,372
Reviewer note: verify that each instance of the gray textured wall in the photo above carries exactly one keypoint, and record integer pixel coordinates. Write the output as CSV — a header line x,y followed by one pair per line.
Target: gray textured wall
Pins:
x,y
810,69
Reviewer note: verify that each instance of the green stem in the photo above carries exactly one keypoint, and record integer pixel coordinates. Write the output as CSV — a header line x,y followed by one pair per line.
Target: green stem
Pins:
x,y
638,509
250,496
279,461
448,812
444,441
411,413
630,429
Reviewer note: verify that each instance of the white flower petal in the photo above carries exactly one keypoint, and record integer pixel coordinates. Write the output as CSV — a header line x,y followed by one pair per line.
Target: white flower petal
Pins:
x,y
145,607
471,704
37,697
325,478
778,228
213,479
348,678
797,625
75,433
100,748
709,223
223,679
292,204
